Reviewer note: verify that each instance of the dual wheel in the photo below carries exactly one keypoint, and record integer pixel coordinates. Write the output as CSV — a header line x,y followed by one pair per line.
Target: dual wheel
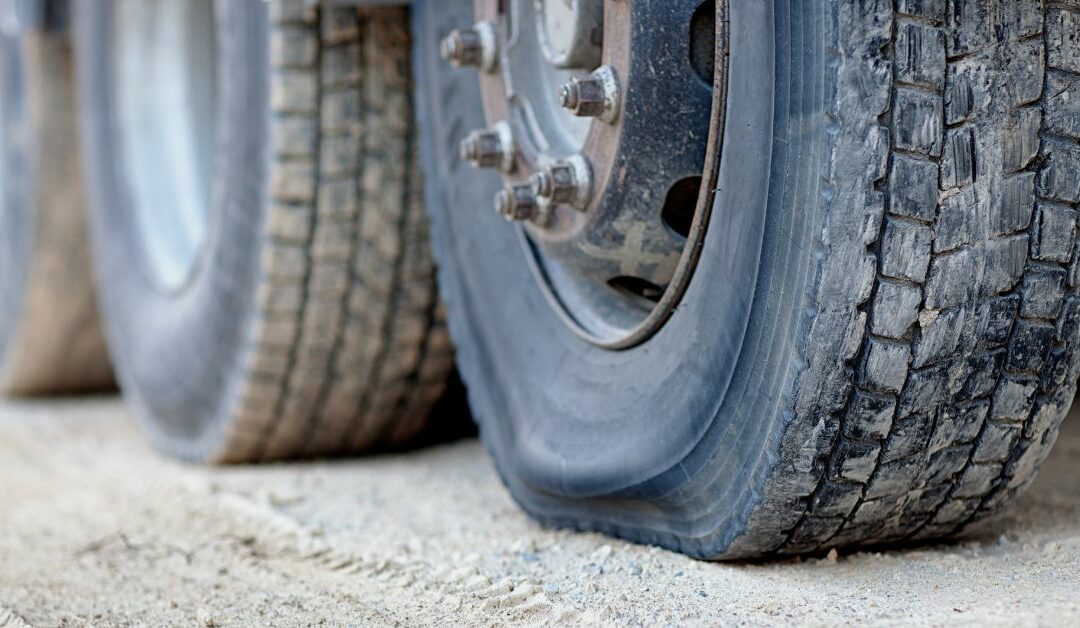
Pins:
x,y
734,278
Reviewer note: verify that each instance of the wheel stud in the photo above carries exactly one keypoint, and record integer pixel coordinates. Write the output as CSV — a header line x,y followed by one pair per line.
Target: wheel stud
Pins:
x,y
593,96
517,203
492,148
475,47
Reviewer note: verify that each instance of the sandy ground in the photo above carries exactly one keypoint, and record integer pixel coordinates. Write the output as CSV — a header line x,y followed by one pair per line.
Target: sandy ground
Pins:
x,y
96,529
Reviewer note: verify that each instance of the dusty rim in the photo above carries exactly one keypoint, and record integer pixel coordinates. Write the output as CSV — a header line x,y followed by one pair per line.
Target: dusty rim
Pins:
x,y
606,133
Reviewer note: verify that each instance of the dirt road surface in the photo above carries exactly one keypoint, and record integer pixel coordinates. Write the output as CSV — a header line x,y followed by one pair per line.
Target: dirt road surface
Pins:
x,y
97,529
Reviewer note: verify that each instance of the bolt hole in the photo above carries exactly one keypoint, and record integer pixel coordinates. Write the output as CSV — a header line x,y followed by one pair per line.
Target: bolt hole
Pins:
x,y
703,41
680,205
637,287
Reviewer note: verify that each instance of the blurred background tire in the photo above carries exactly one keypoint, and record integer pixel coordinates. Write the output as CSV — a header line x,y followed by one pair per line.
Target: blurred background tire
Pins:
x,y
50,341
258,224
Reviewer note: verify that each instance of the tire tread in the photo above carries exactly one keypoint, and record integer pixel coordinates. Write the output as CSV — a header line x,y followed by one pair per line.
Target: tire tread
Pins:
x,y
350,351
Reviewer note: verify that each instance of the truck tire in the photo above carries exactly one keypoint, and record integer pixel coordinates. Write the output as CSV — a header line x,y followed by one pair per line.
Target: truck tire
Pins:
x,y
290,307
50,340
880,337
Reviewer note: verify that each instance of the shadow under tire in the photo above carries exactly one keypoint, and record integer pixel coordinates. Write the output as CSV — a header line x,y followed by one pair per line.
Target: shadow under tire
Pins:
x,y
50,337
300,316
880,339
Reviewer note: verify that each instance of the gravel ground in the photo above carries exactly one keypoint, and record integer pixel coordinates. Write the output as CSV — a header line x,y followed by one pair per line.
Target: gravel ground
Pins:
x,y
99,530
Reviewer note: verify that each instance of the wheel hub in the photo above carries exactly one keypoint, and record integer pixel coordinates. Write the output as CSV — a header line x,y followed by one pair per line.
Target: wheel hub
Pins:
x,y
599,124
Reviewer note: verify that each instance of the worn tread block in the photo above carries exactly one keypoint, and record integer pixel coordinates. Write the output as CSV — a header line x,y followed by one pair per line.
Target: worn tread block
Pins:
x,y
869,416
950,284
1006,259
920,55
905,250
1054,233
939,339
959,425
977,480
1011,208
1059,178
983,373
966,93
908,437
929,9
1021,138
913,188
995,321
1029,346
895,309
954,226
1043,290
918,124
1063,39
922,393
944,464
1013,399
892,480
1061,115
959,161
886,365
854,461
1025,72
996,442
969,26
833,500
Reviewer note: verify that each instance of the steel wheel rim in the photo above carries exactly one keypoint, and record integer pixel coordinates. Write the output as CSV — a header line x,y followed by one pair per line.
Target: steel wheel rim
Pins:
x,y
164,64
590,303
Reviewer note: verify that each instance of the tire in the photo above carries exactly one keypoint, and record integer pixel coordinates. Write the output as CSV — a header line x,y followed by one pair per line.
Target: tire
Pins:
x,y
854,362
309,322
50,339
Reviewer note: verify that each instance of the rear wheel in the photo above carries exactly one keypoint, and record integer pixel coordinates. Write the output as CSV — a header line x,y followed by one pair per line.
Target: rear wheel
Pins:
x,y
862,326
262,248
50,341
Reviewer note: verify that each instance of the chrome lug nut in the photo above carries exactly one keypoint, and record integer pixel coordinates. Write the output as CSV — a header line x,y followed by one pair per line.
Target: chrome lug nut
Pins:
x,y
594,96
517,203
492,148
475,47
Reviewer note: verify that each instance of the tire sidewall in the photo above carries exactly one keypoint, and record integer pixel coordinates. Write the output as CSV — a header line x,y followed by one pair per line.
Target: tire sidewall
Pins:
x,y
607,440
176,351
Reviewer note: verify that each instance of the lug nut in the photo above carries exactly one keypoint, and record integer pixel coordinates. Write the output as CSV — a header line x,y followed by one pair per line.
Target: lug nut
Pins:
x,y
584,97
566,182
594,96
493,148
517,203
474,47
557,184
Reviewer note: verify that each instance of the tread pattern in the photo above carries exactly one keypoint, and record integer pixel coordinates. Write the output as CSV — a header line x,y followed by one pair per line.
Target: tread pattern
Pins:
x,y
944,342
351,351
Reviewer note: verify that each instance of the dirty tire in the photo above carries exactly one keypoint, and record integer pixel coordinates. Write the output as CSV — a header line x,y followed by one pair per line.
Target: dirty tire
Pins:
x,y
311,323
50,339
890,361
